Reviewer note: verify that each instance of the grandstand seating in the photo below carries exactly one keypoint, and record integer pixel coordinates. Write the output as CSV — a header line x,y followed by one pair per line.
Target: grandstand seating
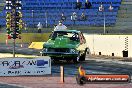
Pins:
x,y
54,8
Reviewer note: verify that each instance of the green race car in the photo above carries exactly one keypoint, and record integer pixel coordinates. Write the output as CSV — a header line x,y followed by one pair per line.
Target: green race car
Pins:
x,y
66,45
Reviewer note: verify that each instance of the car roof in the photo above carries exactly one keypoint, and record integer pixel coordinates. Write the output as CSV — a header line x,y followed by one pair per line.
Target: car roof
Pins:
x,y
76,31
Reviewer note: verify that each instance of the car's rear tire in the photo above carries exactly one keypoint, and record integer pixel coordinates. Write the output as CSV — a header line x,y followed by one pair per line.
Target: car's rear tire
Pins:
x,y
77,59
82,57
80,80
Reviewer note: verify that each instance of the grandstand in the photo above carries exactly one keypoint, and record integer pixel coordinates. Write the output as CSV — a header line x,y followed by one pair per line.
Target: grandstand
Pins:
x,y
48,12
2,3
124,18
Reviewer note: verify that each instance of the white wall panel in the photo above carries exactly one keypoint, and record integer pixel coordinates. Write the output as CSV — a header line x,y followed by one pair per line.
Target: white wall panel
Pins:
x,y
108,44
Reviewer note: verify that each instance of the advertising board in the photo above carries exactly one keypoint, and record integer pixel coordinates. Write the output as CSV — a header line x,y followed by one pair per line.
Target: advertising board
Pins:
x,y
24,67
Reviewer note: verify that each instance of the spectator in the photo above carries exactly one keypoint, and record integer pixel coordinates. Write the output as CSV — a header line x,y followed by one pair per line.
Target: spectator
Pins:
x,y
101,8
63,18
88,4
39,27
74,17
110,8
25,26
60,26
78,5
83,17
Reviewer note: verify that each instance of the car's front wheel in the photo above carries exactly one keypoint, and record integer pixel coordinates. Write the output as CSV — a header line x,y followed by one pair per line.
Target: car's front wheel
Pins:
x,y
54,59
68,60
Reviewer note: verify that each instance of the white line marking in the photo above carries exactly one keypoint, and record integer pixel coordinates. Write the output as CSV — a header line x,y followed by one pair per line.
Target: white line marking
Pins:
x,y
14,85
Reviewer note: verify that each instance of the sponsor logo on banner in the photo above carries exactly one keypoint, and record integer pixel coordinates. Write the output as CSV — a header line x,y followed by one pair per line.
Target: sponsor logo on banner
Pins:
x,y
41,63
83,78
22,66
16,67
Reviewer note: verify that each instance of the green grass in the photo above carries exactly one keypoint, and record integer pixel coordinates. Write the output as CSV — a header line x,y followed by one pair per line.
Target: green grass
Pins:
x,y
69,27
86,29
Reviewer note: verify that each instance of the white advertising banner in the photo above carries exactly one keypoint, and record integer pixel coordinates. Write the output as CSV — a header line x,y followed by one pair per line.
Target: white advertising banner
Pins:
x,y
24,67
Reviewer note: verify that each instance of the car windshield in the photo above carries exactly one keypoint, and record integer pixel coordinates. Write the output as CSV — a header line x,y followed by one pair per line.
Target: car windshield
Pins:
x,y
71,35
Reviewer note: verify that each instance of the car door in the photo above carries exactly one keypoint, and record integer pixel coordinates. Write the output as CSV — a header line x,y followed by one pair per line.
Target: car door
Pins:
x,y
82,45
84,41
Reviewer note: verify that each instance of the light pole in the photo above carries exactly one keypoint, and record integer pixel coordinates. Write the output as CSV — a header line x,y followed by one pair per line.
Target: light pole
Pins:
x,y
102,9
104,23
46,19
33,19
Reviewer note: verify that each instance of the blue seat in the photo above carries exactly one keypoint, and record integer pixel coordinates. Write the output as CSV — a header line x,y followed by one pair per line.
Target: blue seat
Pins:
x,y
56,7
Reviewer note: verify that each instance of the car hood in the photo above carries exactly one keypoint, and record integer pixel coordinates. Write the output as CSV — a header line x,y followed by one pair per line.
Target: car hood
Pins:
x,y
61,42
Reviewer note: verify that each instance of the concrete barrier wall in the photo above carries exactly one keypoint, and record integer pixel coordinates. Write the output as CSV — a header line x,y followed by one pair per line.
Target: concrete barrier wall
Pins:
x,y
26,38
130,46
108,44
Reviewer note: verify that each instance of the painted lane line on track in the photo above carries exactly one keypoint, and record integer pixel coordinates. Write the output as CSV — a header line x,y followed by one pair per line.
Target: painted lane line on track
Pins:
x,y
111,61
15,85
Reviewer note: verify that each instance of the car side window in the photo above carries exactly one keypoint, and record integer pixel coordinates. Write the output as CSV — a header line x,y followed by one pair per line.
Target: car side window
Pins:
x,y
53,35
82,39
75,37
